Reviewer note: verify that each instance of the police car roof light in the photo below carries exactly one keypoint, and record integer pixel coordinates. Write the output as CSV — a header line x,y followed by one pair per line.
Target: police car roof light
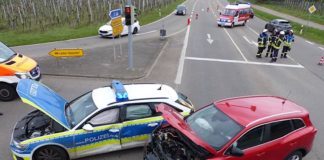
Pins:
x,y
120,92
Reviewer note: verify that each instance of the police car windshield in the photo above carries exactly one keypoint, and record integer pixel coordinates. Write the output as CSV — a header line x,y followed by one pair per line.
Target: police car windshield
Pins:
x,y
229,12
80,108
213,126
5,53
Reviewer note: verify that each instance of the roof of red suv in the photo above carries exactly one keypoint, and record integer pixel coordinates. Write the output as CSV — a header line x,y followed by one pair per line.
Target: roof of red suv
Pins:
x,y
259,109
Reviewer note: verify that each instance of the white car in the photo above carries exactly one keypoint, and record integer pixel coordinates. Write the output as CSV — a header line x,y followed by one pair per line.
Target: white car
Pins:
x,y
106,30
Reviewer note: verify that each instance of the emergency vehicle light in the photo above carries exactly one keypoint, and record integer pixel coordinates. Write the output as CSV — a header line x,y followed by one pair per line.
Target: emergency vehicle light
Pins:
x,y
120,92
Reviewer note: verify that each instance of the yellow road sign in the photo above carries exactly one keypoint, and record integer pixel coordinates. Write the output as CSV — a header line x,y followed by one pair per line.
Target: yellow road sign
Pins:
x,y
58,53
312,9
117,26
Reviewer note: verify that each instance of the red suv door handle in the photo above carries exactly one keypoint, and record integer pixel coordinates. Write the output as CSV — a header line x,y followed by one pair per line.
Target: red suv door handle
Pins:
x,y
261,154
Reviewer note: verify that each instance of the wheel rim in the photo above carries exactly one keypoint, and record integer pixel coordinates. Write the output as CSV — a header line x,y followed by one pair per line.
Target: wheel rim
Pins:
x,y
48,154
295,157
4,93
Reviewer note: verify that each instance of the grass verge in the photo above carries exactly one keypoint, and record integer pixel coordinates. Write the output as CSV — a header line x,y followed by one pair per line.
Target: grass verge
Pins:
x,y
16,38
309,33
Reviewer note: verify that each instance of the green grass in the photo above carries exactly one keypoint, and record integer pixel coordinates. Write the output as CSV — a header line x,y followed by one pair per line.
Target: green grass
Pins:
x,y
57,33
153,15
300,14
309,33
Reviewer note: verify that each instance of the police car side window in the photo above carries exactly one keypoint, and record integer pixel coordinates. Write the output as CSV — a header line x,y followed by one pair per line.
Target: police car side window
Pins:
x,y
138,111
106,117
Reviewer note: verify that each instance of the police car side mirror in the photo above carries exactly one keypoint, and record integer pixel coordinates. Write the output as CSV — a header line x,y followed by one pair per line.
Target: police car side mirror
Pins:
x,y
87,127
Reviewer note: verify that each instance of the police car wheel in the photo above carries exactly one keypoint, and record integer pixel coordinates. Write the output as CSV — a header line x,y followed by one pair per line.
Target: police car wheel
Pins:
x,y
7,92
50,153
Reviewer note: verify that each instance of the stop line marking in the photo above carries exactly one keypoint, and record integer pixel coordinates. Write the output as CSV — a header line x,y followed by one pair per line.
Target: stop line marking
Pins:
x,y
244,62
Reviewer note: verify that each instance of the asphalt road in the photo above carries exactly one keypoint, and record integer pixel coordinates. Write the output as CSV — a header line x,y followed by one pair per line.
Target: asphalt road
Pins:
x,y
207,63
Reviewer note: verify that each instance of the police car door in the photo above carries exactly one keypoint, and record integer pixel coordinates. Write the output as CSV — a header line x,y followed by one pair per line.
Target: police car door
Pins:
x,y
99,134
139,122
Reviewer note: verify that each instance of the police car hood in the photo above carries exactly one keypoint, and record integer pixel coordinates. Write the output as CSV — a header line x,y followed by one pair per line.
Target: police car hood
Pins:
x,y
44,99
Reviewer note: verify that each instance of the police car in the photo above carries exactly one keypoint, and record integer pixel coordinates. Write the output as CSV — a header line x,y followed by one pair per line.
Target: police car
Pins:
x,y
103,120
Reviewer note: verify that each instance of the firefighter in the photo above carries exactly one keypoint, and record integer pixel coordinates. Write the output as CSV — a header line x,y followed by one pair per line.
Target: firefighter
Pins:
x,y
262,42
287,45
273,36
277,43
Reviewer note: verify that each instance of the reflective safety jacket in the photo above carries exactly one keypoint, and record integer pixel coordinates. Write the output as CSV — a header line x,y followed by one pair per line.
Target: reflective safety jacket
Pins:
x,y
289,39
278,42
272,38
262,40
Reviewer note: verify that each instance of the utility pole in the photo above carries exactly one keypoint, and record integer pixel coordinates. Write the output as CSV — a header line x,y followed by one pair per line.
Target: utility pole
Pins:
x,y
130,40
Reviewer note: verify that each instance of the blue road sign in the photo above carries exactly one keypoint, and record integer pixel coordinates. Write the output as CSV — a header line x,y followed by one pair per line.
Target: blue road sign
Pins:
x,y
115,13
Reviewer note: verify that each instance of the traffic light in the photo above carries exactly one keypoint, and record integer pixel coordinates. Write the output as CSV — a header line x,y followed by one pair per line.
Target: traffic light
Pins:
x,y
129,15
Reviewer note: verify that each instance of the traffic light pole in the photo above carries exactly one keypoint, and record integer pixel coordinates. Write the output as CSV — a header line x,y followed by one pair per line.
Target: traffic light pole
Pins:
x,y
130,43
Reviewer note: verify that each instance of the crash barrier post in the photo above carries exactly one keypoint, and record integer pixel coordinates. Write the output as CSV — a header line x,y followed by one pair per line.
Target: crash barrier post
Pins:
x,y
301,30
196,15
321,62
162,34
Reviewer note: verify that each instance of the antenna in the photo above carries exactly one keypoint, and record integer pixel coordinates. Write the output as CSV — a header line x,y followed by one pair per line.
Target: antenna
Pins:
x,y
160,87
284,101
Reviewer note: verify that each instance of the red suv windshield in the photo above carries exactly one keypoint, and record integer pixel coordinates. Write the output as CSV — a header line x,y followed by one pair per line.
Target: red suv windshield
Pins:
x,y
213,126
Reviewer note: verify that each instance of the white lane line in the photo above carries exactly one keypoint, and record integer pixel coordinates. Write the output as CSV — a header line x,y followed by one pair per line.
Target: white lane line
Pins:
x,y
182,57
140,34
183,54
157,59
244,62
310,42
176,32
255,43
321,48
253,30
235,45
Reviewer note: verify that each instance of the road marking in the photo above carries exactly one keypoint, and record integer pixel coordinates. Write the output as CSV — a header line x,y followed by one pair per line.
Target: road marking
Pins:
x,y
140,34
183,54
177,32
251,42
156,60
245,62
310,42
209,40
321,48
202,9
235,45
253,30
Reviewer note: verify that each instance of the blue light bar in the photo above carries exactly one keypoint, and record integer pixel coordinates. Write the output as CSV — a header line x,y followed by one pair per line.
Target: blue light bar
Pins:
x,y
121,93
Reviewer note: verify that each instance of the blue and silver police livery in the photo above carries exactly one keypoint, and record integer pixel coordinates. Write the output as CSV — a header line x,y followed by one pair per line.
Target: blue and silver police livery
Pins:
x,y
102,120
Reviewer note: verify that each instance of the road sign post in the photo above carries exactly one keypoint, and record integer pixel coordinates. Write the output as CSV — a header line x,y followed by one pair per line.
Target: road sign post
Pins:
x,y
130,40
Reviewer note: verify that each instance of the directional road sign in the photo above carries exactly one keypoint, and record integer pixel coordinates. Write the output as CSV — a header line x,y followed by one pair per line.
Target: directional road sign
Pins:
x,y
73,52
115,13
117,26
312,9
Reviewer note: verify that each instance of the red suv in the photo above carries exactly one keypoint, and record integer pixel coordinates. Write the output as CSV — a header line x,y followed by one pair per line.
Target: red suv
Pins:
x,y
244,128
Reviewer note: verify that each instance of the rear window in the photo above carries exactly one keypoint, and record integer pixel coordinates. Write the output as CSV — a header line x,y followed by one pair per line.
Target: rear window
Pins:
x,y
280,129
284,22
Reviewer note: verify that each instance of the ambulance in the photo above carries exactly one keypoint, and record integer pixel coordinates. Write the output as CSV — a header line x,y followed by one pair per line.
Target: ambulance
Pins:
x,y
237,14
13,67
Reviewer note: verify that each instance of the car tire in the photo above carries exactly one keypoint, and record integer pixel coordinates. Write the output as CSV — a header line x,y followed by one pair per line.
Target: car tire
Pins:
x,y
219,25
135,30
232,25
7,92
297,155
244,23
50,152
